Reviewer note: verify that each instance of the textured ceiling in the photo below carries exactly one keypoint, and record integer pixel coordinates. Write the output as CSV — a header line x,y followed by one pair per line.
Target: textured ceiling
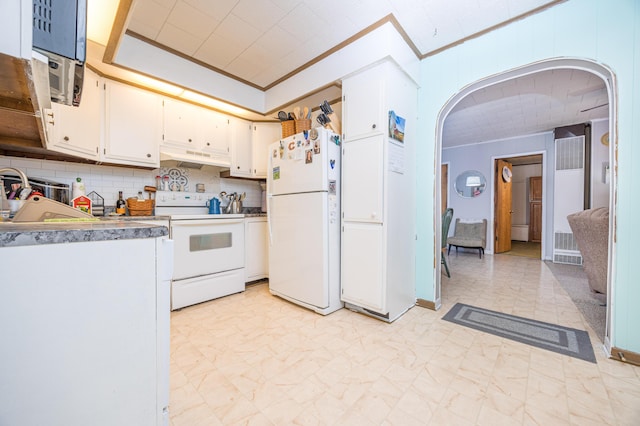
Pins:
x,y
531,104
261,42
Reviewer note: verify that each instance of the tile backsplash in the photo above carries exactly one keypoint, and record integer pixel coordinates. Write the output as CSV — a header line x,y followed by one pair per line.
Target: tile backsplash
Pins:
x,y
108,180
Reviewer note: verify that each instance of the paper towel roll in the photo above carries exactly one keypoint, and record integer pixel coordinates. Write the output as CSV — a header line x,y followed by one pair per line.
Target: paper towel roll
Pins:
x,y
77,188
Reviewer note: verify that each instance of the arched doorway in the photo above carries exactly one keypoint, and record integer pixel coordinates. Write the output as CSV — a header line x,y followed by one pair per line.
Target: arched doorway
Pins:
x,y
584,65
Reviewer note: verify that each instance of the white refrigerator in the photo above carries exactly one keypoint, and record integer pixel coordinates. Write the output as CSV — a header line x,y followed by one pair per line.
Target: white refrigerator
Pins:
x,y
303,206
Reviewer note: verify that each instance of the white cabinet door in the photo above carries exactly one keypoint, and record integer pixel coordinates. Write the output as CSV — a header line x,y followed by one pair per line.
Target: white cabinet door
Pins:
x,y
264,134
363,180
256,265
76,130
180,124
133,125
362,109
241,149
363,271
104,349
215,134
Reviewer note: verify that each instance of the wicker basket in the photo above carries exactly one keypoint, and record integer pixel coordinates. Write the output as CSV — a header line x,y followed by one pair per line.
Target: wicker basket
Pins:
x,y
140,207
288,128
302,125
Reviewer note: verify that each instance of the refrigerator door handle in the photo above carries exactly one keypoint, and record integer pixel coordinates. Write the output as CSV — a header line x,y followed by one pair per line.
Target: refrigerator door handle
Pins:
x,y
269,195
269,219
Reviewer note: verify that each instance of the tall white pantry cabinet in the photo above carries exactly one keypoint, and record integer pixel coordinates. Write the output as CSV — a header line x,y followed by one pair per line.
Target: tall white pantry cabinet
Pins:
x,y
378,192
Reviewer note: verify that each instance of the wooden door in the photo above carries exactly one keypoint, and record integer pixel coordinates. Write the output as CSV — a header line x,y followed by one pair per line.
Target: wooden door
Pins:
x,y
503,210
535,209
535,222
535,188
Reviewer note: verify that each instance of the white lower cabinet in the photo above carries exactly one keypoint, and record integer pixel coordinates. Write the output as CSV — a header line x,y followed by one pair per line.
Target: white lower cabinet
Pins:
x,y
256,264
86,333
363,269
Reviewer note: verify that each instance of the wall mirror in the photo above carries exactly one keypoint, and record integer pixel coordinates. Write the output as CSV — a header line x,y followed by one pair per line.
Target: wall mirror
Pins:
x,y
470,184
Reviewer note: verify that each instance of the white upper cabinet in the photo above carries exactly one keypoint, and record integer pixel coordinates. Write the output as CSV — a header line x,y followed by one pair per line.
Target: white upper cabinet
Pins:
x,y
180,124
77,130
249,148
241,163
216,134
133,125
264,134
194,133
363,113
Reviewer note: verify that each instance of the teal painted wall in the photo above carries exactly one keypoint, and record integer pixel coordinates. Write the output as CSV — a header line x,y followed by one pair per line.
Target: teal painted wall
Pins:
x,y
607,32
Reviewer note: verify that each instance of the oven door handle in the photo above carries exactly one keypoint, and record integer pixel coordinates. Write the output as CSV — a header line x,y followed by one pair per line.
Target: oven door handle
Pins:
x,y
201,222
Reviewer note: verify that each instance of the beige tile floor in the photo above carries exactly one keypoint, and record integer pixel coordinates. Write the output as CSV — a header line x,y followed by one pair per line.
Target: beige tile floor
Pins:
x,y
255,359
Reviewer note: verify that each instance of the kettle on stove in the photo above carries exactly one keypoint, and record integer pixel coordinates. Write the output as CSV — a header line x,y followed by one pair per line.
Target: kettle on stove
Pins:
x,y
214,206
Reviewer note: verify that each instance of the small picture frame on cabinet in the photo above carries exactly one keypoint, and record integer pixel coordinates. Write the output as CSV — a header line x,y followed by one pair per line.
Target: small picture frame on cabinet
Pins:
x,y
396,127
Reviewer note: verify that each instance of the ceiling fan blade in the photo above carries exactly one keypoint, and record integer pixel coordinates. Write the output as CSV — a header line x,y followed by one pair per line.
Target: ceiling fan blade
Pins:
x,y
597,106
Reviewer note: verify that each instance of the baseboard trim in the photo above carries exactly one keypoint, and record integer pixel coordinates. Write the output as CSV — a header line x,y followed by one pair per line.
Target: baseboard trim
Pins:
x,y
625,356
426,304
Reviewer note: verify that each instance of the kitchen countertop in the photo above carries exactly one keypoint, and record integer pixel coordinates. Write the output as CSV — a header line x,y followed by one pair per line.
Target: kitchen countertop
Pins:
x,y
134,218
161,217
41,233
107,228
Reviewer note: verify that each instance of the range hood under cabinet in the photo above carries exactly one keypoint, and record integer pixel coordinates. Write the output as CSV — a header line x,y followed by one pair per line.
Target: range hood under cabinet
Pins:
x,y
191,158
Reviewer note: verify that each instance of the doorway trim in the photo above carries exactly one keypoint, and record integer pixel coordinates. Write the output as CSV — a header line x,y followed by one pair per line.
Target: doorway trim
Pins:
x,y
584,64
544,195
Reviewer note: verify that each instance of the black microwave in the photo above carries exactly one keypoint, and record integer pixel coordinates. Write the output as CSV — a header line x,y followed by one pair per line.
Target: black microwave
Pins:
x,y
60,34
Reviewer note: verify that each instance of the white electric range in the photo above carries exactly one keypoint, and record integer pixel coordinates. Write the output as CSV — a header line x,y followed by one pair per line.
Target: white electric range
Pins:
x,y
208,248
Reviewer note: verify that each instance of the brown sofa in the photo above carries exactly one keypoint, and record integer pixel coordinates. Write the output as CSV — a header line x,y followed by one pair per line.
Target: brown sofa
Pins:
x,y
591,232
